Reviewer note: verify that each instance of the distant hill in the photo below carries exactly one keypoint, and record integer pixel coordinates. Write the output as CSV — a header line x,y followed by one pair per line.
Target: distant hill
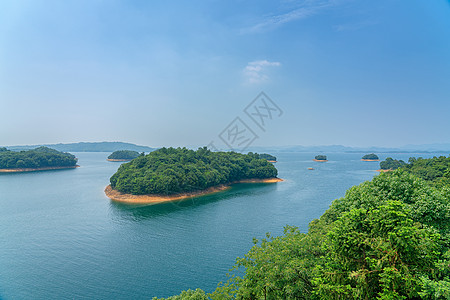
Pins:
x,y
89,147
425,148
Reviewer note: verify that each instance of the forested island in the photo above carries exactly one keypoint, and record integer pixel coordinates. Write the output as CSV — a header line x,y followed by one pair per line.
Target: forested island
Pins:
x,y
268,157
320,158
39,159
388,238
391,164
176,173
123,155
370,157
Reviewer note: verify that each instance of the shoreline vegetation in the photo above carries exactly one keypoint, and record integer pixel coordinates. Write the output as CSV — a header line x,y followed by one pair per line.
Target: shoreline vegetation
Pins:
x,y
20,170
123,159
117,196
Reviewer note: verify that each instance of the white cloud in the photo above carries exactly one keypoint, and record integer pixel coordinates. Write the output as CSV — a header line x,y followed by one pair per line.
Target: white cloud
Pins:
x,y
303,9
256,71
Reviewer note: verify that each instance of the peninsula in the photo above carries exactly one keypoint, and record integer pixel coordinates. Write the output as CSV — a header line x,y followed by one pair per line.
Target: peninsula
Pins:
x,y
172,174
370,157
320,158
39,159
123,155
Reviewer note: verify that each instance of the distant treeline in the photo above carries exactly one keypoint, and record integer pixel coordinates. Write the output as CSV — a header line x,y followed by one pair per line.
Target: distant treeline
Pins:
x,y
90,147
370,156
267,157
123,154
321,157
169,171
38,158
391,164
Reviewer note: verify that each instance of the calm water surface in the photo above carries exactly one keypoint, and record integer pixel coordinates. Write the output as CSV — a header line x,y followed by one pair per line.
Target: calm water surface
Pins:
x,y
62,238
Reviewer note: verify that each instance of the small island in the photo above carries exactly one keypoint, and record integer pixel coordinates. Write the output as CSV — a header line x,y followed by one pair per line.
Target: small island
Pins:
x,y
123,155
171,174
39,159
370,157
391,164
320,158
270,158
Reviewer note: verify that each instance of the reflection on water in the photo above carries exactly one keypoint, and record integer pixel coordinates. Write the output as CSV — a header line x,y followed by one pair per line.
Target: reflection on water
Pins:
x,y
137,212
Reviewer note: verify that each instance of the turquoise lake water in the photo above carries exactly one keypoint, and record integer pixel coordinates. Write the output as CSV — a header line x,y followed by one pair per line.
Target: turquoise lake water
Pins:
x,y
62,238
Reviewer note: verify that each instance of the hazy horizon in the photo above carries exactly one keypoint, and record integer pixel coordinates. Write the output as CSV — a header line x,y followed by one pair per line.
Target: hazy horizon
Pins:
x,y
339,72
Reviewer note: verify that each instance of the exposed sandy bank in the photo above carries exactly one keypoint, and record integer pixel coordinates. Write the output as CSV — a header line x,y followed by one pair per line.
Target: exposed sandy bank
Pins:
x,y
381,170
364,159
320,160
154,199
18,170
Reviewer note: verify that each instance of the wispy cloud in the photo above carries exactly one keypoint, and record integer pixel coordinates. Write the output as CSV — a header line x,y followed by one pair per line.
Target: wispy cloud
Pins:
x,y
302,10
354,26
256,71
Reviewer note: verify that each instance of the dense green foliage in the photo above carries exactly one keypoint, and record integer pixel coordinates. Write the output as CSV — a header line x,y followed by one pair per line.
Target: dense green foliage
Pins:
x,y
168,171
198,294
267,157
320,157
391,164
37,158
387,238
123,154
370,156
435,170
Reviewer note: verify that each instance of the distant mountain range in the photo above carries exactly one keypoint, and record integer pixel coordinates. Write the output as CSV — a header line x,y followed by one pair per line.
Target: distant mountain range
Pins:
x,y
425,148
88,147
114,146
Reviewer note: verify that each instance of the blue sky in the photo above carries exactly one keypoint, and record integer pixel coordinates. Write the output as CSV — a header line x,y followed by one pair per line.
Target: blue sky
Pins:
x,y
176,73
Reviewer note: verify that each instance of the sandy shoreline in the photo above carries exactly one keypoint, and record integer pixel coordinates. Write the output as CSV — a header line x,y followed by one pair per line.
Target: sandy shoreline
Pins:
x,y
320,160
272,161
35,169
113,159
365,159
155,199
381,170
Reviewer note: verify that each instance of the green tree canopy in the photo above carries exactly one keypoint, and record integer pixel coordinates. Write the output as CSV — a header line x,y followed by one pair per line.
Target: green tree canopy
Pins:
x,y
169,171
123,154
391,164
320,157
435,170
37,158
370,156
267,156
